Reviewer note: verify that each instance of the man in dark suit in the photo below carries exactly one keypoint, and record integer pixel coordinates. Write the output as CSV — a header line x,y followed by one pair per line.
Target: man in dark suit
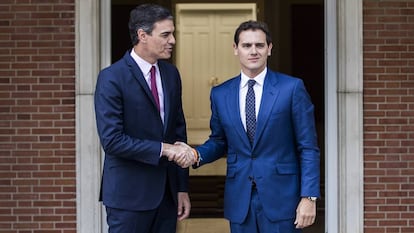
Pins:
x,y
267,130
139,117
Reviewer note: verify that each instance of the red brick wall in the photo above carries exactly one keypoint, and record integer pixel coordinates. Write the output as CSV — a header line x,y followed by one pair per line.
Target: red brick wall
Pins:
x,y
389,116
37,116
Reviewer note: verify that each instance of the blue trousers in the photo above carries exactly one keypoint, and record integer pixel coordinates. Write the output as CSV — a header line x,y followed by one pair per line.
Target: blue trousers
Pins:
x,y
257,222
160,220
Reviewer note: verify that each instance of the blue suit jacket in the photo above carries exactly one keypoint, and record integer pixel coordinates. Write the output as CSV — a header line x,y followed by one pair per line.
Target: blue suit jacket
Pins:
x,y
284,158
131,131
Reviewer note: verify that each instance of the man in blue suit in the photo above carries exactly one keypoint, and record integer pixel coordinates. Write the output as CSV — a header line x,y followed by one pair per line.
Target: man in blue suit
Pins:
x,y
267,129
139,117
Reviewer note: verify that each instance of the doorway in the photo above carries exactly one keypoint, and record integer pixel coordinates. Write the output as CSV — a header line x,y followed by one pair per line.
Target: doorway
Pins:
x,y
293,24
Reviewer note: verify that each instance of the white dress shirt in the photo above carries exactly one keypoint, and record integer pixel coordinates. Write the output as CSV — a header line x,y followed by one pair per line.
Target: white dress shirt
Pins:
x,y
258,90
146,72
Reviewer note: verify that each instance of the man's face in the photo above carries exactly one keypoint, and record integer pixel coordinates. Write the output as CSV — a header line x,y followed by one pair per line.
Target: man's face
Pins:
x,y
160,43
252,51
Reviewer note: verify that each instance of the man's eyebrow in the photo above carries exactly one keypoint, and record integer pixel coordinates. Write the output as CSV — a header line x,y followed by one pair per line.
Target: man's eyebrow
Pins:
x,y
166,32
248,43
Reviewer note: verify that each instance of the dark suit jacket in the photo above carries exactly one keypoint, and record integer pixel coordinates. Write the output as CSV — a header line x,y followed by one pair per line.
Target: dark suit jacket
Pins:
x,y
131,131
284,158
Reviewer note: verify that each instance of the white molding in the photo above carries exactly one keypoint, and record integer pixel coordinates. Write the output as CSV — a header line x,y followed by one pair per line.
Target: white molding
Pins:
x,y
350,116
331,119
105,34
88,160
344,157
105,48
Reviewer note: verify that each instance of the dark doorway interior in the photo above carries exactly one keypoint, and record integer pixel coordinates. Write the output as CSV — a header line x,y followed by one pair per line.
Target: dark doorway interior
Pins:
x,y
307,59
120,40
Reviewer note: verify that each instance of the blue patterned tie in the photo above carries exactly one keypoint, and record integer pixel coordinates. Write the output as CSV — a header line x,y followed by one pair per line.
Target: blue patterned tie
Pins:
x,y
251,112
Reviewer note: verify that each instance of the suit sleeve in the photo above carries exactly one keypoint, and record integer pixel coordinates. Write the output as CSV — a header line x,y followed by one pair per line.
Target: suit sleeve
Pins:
x,y
216,146
109,110
181,135
306,141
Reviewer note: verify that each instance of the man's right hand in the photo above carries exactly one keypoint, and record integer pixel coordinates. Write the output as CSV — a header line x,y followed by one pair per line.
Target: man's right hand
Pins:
x,y
180,153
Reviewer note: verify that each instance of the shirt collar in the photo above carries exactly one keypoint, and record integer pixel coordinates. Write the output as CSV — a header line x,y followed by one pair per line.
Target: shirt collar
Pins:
x,y
259,78
142,64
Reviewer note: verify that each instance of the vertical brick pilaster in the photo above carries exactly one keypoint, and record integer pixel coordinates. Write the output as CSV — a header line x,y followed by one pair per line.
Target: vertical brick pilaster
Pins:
x,y
37,116
389,116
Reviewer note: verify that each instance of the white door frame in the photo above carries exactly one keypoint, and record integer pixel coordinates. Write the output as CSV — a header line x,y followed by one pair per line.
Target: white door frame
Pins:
x,y
343,113
344,209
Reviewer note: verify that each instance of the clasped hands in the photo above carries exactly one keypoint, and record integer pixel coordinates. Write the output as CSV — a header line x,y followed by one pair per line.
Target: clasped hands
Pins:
x,y
181,153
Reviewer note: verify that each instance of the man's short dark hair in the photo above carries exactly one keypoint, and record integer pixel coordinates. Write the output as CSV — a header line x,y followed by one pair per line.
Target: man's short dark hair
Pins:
x,y
144,17
252,25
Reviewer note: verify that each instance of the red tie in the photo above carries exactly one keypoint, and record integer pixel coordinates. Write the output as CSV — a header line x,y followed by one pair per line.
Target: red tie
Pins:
x,y
154,90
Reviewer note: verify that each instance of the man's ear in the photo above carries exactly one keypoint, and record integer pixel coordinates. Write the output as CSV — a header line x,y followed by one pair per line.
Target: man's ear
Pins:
x,y
269,52
235,49
142,36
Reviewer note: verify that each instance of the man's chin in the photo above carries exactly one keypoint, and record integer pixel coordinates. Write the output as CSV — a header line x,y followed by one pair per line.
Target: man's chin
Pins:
x,y
166,56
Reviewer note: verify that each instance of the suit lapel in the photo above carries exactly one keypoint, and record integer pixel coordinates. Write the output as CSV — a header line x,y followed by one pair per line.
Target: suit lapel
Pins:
x,y
233,108
269,97
136,71
167,93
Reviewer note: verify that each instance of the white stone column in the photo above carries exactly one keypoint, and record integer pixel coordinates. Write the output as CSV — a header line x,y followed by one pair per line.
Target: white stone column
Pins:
x,y
350,116
331,119
88,151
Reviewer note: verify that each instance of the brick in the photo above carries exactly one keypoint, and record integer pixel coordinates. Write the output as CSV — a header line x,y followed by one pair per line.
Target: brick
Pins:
x,y
388,55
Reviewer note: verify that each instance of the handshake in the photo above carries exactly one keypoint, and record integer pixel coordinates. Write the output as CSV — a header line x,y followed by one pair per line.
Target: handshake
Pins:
x,y
181,153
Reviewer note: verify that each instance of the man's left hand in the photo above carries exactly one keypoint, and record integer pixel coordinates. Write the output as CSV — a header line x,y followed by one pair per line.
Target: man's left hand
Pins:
x,y
305,213
184,206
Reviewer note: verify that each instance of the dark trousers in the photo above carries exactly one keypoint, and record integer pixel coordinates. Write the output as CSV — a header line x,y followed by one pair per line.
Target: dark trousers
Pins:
x,y
160,220
257,222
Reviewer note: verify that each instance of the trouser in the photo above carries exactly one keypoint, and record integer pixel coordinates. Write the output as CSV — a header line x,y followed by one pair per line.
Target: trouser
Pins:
x,y
257,222
160,220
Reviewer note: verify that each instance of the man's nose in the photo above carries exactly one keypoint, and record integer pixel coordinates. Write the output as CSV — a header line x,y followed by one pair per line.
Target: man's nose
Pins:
x,y
253,50
171,39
